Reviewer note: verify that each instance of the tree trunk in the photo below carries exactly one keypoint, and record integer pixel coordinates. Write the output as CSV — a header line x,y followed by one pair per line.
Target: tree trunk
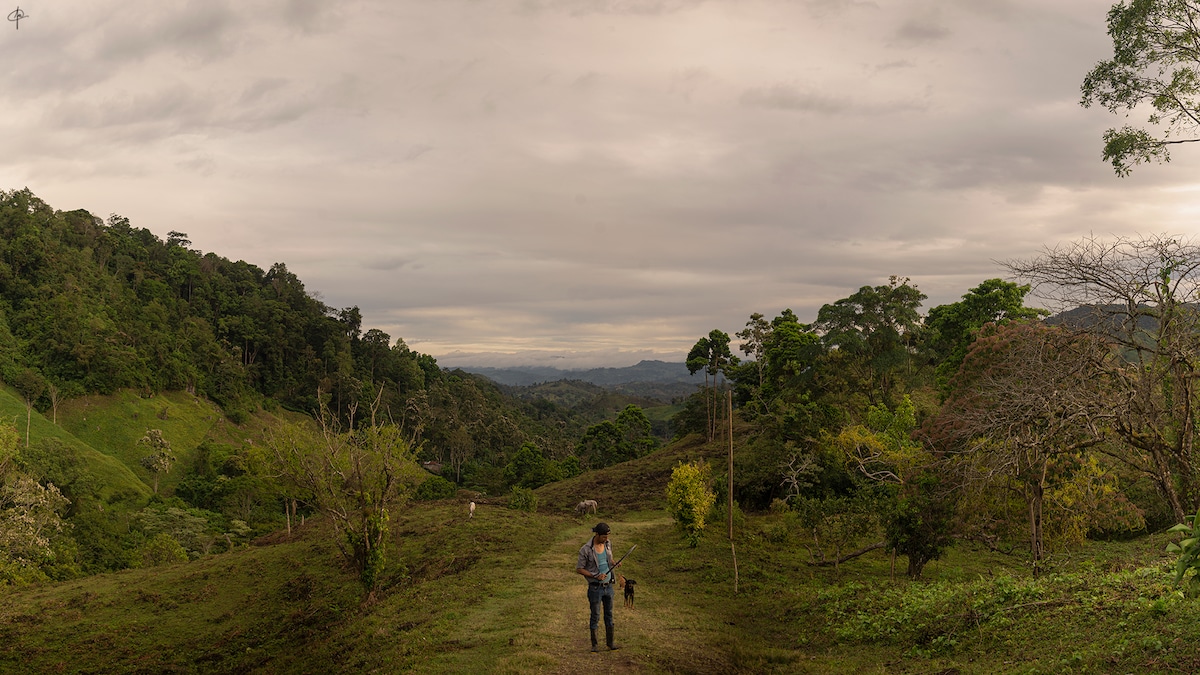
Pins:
x,y
1036,497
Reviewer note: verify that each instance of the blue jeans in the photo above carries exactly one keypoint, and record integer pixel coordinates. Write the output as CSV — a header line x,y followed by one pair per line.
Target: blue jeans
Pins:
x,y
598,594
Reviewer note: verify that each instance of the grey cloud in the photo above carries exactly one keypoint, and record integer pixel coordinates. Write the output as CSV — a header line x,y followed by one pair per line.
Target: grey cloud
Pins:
x,y
791,98
313,16
200,165
260,88
199,29
787,97
389,264
178,109
615,7
920,31
683,188
821,8
586,80
170,107
686,82
414,152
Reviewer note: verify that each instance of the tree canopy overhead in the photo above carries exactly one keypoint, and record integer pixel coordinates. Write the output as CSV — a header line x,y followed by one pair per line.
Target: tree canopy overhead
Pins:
x,y
1155,63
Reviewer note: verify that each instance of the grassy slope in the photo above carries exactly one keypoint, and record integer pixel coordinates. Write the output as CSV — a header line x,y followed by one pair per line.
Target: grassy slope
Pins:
x,y
116,423
497,594
630,486
115,476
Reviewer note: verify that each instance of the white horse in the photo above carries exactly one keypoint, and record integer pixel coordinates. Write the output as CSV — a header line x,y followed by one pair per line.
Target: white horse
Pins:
x,y
471,510
586,505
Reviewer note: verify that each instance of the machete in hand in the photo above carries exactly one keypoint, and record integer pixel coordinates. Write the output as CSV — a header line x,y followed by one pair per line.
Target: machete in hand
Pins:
x,y
618,563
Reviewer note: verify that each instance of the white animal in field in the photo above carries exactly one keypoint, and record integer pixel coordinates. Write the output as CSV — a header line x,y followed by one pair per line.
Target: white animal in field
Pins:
x,y
471,510
586,505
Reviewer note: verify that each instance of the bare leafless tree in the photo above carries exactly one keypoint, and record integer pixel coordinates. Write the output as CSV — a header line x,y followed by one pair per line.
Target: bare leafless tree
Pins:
x,y
1142,296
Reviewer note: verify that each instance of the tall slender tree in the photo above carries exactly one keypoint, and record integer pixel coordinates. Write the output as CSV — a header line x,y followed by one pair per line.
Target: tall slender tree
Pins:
x,y
712,355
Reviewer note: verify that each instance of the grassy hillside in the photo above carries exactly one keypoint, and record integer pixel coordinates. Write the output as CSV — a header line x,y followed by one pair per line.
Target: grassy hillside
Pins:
x,y
636,485
115,476
114,424
285,605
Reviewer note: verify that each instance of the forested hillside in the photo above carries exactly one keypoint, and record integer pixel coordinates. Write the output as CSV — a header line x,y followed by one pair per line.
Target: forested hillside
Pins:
x,y
123,339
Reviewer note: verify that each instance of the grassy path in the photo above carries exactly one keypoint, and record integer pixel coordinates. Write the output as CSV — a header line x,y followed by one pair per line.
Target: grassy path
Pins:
x,y
538,623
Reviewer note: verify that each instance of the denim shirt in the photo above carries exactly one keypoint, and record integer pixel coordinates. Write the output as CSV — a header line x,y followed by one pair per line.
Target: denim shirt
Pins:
x,y
589,563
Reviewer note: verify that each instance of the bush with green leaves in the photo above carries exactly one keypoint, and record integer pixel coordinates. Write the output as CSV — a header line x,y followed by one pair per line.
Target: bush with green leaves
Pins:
x,y
690,498
523,499
161,549
435,487
1189,554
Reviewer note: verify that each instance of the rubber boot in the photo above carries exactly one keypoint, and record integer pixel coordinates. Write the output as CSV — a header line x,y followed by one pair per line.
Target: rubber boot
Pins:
x,y
594,647
608,634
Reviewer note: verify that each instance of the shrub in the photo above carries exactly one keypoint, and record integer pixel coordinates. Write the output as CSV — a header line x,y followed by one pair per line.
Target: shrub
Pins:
x,y
1188,551
523,499
690,498
435,487
161,549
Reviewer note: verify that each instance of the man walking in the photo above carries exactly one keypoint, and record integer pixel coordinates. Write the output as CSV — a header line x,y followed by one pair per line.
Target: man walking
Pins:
x,y
596,564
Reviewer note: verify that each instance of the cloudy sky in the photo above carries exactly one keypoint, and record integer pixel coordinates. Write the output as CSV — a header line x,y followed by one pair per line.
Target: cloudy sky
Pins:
x,y
581,182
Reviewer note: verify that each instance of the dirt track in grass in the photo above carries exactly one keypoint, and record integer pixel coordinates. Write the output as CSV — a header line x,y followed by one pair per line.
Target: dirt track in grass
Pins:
x,y
539,623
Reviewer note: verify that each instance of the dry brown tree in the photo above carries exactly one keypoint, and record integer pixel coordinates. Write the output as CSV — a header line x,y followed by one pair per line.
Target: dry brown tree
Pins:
x,y
1142,297
1022,398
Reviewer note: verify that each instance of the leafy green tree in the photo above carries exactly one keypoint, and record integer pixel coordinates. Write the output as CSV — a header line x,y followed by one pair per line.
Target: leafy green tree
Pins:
x,y
435,487
754,338
712,355
161,458
530,468
1155,62
614,441
836,526
30,517
920,523
355,478
917,514
871,336
954,326
193,529
30,384
690,498
571,467
51,461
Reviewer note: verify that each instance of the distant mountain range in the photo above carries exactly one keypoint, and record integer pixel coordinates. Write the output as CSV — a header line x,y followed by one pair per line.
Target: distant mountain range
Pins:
x,y
656,379
645,371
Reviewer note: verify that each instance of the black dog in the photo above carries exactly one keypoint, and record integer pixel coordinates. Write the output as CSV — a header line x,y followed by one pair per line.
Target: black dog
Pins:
x,y
628,584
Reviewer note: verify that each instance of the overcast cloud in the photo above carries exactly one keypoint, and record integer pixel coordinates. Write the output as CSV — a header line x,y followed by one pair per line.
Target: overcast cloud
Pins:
x,y
581,182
